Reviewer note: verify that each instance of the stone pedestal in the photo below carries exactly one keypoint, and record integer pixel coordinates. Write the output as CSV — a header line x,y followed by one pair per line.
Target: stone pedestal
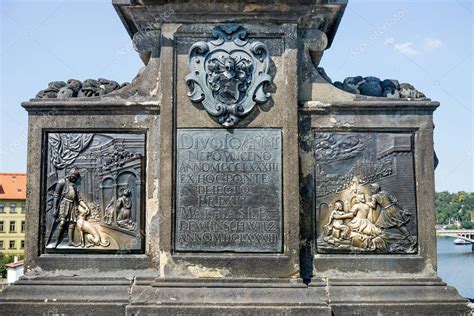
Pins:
x,y
230,177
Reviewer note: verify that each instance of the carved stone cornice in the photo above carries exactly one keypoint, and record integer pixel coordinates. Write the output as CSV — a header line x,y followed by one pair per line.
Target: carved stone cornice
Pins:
x,y
323,15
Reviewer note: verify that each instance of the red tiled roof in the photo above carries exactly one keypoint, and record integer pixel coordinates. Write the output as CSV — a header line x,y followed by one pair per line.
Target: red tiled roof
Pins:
x,y
12,186
14,264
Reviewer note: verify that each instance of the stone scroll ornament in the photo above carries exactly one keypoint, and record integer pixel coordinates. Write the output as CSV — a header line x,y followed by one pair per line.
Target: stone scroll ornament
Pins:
x,y
229,74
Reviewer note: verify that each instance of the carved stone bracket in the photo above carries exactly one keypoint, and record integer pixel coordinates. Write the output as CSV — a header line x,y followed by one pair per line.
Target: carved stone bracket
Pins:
x,y
315,42
147,41
228,74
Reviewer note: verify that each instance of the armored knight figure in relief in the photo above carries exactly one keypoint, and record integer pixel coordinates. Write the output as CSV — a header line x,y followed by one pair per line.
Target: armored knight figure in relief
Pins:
x,y
66,203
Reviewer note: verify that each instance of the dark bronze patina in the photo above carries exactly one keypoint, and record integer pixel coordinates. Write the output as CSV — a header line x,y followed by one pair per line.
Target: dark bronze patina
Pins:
x,y
228,190
365,200
94,191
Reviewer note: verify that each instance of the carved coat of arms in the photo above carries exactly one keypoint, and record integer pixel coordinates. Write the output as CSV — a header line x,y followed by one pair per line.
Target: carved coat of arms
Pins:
x,y
228,74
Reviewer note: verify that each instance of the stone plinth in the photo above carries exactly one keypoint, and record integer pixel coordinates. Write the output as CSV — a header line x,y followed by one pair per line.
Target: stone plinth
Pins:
x,y
230,177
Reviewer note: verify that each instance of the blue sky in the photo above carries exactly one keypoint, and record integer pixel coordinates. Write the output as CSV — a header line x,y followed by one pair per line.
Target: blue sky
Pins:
x,y
426,43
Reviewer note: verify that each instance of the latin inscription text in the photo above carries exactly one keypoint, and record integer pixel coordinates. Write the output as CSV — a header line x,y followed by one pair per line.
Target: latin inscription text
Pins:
x,y
228,190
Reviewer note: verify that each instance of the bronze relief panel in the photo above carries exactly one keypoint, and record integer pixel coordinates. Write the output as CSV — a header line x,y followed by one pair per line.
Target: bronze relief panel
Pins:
x,y
365,192
93,192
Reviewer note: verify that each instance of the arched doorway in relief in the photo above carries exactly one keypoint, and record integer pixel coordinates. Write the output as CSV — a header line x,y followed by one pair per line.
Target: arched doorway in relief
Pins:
x,y
128,180
108,201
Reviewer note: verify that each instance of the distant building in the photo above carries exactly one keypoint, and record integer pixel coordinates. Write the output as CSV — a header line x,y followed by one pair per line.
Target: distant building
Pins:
x,y
12,213
15,270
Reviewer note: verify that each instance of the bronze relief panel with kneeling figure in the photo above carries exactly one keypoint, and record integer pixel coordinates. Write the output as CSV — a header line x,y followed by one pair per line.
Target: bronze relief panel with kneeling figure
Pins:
x,y
365,192
93,192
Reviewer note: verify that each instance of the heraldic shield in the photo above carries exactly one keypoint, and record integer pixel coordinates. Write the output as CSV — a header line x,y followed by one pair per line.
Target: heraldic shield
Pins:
x,y
228,74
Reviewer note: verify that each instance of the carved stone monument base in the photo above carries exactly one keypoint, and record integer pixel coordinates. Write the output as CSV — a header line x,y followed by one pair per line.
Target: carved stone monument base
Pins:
x,y
394,296
69,295
230,174
228,297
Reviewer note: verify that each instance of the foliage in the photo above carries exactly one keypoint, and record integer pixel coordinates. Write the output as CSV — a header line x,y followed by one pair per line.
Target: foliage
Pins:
x,y
455,207
5,259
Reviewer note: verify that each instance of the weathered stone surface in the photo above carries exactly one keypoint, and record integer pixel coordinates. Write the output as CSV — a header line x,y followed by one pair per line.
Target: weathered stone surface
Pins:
x,y
395,296
94,115
171,277
373,86
75,88
231,297
359,115
66,295
86,296
277,113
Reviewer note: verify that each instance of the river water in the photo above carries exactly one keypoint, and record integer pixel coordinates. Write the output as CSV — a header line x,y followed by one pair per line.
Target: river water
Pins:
x,y
456,265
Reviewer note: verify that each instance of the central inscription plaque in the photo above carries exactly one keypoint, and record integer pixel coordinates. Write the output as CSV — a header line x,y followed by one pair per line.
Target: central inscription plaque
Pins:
x,y
228,190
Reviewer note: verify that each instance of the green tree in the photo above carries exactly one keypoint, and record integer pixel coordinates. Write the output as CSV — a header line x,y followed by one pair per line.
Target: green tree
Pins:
x,y
4,259
452,207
